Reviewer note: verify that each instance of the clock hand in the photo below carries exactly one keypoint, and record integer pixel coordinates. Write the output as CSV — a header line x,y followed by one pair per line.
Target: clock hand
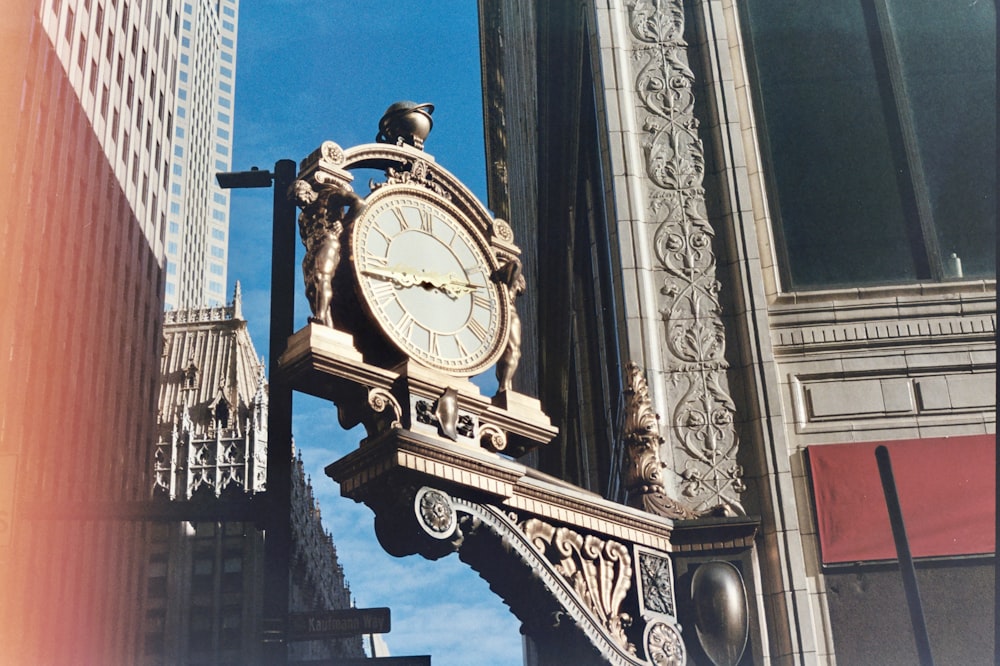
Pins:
x,y
398,277
404,276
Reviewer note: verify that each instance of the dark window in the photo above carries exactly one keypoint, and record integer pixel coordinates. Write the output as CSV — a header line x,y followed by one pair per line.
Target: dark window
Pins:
x,y
879,137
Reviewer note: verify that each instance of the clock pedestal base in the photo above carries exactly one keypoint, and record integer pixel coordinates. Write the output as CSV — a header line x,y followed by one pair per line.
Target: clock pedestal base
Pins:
x,y
324,362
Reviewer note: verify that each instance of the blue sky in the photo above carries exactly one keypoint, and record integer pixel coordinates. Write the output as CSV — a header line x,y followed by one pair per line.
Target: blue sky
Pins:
x,y
314,71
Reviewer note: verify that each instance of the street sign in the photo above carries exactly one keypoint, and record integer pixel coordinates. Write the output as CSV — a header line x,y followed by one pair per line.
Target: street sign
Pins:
x,y
337,624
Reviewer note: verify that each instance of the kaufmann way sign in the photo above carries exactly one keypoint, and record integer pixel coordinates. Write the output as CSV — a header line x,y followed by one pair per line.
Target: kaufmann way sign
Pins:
x,y
338,623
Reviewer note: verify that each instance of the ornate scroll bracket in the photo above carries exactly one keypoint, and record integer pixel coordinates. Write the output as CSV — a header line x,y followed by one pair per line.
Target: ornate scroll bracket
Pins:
x,y
703,440
590,579
642,468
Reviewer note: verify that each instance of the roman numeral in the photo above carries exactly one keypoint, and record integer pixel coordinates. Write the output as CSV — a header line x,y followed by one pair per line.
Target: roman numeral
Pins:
x,y
405,325
381,262
477,329
481,300
383,234
462,351
433,344
426,221
382,291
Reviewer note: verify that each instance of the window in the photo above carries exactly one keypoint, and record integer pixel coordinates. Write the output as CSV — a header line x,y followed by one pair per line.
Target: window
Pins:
x,y
218,234
879,137
218,252
81,52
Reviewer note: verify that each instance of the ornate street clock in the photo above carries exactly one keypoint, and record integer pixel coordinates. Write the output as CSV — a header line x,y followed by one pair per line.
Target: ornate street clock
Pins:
x,y
412,291
424,273
412,288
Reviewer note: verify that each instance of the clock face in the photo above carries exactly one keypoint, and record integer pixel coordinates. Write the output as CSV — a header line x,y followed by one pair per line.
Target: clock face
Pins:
x,y
426,280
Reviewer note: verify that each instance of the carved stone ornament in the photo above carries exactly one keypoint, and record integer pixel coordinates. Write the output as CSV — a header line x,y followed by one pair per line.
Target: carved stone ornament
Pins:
x,y
599,570
492,438
702,435
664,644
656,582
435,513
642,469
386,407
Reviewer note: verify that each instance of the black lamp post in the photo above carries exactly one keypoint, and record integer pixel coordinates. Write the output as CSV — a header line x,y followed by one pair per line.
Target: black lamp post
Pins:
x,y
278,495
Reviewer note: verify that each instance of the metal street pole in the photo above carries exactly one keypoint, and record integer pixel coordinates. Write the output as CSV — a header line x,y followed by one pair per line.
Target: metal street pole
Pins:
x,y
278,495
906,568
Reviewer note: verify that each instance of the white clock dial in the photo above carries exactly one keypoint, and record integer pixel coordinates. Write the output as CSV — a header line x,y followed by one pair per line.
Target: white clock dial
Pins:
x,y
426,279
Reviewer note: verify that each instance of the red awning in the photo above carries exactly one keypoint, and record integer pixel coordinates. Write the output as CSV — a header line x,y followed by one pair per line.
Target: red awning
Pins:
x,y
946,489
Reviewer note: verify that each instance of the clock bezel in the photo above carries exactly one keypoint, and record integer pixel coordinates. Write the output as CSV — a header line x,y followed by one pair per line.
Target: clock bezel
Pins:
x,y
375,204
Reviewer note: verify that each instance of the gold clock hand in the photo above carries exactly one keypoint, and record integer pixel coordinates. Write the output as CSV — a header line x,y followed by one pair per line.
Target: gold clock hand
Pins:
x,y
397,277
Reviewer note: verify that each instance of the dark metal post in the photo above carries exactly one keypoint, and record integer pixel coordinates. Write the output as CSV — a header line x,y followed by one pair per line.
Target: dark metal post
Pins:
x,y
278,528
905,559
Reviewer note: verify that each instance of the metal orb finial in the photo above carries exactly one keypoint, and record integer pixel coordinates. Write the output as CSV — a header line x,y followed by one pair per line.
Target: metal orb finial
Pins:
x,y
406,122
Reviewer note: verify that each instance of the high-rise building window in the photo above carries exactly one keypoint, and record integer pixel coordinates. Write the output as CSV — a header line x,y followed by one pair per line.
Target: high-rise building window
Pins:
x,y
879,137
70,24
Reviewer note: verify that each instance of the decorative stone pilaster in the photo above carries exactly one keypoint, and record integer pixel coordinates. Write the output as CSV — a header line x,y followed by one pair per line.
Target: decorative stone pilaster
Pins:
x,y
701,434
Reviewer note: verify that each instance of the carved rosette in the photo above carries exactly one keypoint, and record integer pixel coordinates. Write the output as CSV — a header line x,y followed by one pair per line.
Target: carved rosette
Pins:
x,y
435,513
701,430
664,644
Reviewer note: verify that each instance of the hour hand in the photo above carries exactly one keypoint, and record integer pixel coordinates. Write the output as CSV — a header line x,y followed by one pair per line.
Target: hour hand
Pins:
x,y
451,285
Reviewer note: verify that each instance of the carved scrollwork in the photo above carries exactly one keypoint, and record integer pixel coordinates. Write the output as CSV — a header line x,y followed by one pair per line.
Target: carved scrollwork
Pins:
x,y
599,570
384,403
702,434
642,468
492,438
412,172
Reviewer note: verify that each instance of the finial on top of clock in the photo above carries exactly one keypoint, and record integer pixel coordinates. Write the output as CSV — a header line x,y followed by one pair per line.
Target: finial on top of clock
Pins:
x,y
406,122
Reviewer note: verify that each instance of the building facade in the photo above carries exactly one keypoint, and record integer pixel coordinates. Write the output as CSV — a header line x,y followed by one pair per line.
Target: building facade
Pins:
x,y
86,131
205,581
785,215
197,234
